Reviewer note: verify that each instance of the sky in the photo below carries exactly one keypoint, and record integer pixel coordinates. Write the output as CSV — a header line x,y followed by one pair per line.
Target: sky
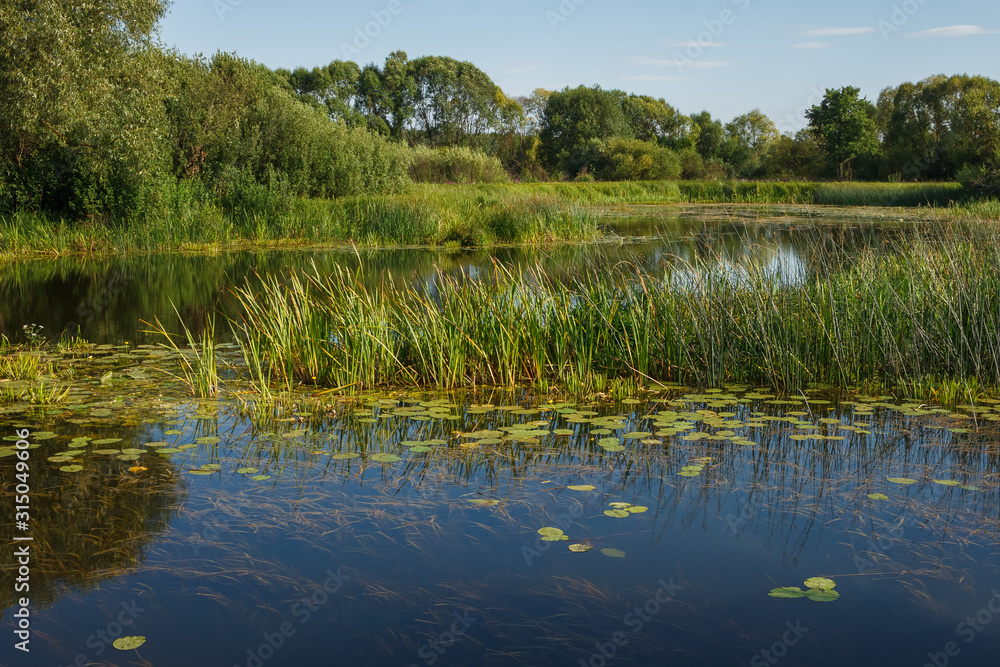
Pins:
x,y
724,56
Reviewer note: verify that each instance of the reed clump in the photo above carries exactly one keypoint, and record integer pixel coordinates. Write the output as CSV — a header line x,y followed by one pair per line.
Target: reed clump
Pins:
x,y
924,307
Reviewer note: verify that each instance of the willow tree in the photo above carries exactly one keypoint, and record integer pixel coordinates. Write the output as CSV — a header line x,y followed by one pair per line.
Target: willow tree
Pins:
x,y
82,118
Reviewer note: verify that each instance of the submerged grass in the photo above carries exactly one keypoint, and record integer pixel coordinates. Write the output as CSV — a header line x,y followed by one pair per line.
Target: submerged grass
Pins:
x,y
927,309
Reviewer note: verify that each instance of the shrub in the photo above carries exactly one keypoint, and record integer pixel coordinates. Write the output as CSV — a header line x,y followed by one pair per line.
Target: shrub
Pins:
x,y
455,165
635,160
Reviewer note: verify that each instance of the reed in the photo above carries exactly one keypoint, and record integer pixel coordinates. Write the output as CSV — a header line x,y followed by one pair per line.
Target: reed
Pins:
x,y
199,366
927,307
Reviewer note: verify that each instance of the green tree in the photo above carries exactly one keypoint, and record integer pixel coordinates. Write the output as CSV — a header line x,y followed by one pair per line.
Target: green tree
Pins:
x,y
748,139
654,120
82,116
386,95
573,118
845,125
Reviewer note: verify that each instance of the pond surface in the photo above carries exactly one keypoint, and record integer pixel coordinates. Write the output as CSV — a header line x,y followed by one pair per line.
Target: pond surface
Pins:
x,y
485,526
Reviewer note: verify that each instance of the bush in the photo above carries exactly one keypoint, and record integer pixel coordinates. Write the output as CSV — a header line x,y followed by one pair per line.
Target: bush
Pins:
x,y
455,165
635,160
980,181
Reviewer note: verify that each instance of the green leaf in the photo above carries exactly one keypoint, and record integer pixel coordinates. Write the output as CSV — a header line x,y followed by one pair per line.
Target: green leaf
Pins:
x,y
820,595
613,553
787,592
618,514
581,487
129,643
821,583
878,496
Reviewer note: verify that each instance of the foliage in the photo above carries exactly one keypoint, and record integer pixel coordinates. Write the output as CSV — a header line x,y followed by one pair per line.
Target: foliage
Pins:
x,y
573,119
748,139
455,165
634,160
844,123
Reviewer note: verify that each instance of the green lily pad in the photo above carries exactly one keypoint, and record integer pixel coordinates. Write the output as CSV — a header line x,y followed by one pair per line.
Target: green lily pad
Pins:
x,y
820,583
200,472
620,505
345,455
689,474
72,468
209,440
902,480
787,592
483,502
260,478
821,595
106,441
247,471
129,643
613,553
618,514
636,509
947,482
420,449
581,487
878,496
550,534
580,548
385,458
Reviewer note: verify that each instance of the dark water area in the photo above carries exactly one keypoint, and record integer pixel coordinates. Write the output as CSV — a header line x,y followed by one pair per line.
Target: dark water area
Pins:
x,y
405,530
107,300
487,527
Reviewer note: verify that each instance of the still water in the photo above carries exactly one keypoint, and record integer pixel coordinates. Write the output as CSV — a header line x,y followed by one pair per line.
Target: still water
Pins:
x,y
407,528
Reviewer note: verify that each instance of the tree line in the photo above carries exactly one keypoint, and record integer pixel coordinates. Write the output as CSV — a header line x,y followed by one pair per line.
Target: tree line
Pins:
x,y
100,120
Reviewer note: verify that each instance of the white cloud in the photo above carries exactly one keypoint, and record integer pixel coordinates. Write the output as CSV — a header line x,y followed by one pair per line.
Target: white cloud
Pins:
x,y
812,45
953,31
681,63
838,32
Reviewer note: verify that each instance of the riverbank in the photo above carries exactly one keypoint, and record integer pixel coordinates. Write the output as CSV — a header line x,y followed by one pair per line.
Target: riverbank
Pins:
x,y
444,215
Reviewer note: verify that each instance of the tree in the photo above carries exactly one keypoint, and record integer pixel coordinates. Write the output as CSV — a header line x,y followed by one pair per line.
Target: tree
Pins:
x,y
534,109
573,118
385,95
844,123
711,136
79,91
654,120
748,139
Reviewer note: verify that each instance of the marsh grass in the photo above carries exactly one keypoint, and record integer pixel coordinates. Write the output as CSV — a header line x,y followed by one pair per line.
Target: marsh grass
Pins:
x,y
445,215
198,363
922,308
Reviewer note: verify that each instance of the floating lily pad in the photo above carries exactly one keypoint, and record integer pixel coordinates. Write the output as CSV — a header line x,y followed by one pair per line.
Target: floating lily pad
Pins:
x,y
129,643
260,478
72,468
550,534
787,592
613,553
200,472
211,466
106,441
636,509
620,505
820,583
970,487
902,480
947,482
484,502
345,455
618,514
209,440
385,458
580,548
247,471
581,487
822,595
878,496
173,431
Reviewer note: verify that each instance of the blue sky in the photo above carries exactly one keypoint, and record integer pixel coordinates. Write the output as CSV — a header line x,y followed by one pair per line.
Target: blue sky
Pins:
x,y
726,56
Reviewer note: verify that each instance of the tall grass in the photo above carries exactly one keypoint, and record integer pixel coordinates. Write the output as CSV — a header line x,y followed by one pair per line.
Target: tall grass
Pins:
x,y
923,309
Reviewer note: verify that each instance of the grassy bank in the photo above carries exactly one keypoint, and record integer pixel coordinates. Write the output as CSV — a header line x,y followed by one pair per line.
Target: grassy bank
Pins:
x,y
437,215
921,314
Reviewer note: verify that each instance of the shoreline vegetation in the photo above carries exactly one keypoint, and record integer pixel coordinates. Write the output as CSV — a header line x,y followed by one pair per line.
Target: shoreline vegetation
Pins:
x,y
447,215
920,317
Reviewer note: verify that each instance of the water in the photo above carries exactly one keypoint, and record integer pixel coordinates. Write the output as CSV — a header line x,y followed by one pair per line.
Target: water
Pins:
x,y
432,556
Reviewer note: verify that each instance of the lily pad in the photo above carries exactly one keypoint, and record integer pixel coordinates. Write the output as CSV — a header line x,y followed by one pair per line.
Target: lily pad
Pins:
x,y
618,514
129,643
787,592
385,458
209,440
484,502
260,478
580,548
106,441
820,583
72,468
345,455
581,487
613,553
821,595
550,534
878,496
247,471
902,480
636,509
948,482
